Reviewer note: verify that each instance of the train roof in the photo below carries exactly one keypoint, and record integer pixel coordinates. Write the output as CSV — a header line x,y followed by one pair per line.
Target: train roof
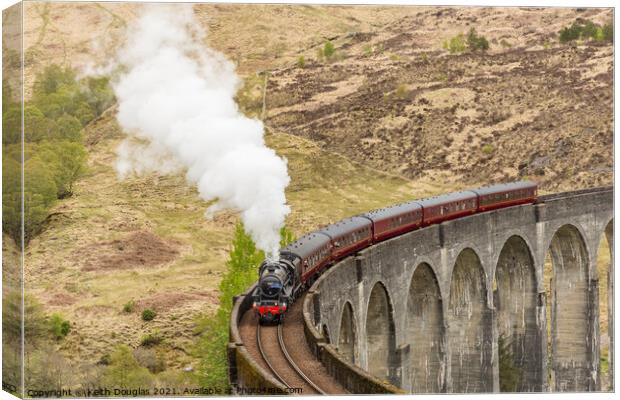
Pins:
x,y
505,187
307,244
447,198
345,226
393,211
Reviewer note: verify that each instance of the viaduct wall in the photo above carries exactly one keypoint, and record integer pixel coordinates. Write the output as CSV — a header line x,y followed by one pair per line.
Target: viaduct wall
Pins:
x,y
433,310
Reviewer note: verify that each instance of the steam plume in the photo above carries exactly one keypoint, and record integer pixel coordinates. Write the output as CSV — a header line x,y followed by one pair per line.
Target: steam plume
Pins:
x,y
175,101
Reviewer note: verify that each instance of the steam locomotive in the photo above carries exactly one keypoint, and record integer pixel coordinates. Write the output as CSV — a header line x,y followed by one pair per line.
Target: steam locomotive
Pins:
x,y
302,262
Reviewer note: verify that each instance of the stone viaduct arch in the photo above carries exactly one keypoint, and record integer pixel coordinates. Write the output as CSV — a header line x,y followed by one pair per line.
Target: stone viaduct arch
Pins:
x,y
451,298
346,338
425,331
380,340
515,299
469,326
569,309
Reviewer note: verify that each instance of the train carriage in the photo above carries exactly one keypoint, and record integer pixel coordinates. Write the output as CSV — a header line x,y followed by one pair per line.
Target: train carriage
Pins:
x,y
506,195
348,236
395,220
448,206
310,254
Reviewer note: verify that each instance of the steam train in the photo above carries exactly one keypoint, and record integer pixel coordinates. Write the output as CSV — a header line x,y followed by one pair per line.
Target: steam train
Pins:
x,y
302,262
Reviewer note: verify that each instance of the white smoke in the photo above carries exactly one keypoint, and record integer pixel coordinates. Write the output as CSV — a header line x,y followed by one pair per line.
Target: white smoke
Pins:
x,y
176,103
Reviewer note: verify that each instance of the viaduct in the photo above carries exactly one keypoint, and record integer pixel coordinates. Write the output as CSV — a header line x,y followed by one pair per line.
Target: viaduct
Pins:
x,y
462,307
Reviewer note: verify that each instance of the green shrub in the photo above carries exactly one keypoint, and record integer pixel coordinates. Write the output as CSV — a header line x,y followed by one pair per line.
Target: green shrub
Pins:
x,y
148,314
367,49
586,30
151,339
129,306
455,44
570,33
301,62
488,149
589,29
472,42
328,50
475,42
58,326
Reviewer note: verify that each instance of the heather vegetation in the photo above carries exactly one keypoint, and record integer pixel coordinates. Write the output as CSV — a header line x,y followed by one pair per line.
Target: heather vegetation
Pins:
x,y
54,153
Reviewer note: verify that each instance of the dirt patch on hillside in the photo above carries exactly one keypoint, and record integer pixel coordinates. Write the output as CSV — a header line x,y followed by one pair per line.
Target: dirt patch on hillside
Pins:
x,y
139,249
61,299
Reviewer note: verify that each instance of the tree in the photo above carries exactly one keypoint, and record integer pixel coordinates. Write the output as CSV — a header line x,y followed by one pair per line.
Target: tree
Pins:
x,y
72,161
36,126
99,94
7,95
33,318
40,193
84,113
54,154
12,125
52,77
47,368
69,128
11,198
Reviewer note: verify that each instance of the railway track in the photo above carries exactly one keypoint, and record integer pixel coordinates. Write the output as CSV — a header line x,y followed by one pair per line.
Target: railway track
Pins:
x,y
279,361
296,366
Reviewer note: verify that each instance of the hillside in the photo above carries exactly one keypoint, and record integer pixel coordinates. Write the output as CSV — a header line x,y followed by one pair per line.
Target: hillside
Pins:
x,y
528,108
392,116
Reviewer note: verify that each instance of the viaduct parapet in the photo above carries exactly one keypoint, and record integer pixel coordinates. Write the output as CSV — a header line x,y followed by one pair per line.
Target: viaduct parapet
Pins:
x,y
433,310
